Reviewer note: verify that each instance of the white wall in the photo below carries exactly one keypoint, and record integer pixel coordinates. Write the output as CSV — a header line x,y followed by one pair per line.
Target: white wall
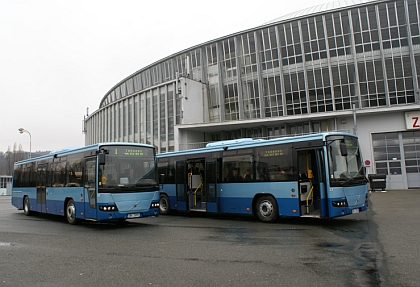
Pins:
x,y
192,93
377,123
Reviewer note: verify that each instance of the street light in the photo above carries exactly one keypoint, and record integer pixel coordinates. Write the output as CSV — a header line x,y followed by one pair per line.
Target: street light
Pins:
x,y
22,130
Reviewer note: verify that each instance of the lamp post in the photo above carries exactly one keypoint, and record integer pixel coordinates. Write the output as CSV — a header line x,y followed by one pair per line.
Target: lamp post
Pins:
x,y
22,130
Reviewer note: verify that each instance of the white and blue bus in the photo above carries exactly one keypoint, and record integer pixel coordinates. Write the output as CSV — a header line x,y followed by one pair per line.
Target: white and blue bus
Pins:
x,y
318,175
101,182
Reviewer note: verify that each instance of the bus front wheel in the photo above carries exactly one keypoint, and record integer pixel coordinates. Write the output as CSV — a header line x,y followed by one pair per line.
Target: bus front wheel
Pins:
x,y
27,206
71,212
164,206
266,208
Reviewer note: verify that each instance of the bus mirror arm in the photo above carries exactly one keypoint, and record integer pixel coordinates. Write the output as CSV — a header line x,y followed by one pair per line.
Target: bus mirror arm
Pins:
x,y
161,178
343,148
101,159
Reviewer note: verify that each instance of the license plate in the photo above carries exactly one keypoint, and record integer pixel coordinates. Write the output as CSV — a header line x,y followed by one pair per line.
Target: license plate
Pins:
x,y
356,210
133,215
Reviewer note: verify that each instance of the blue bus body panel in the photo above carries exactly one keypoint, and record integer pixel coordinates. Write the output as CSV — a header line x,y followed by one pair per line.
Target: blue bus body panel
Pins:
x,y
170,191
211,207
56,197
19,193
238,198
356,197
136,203
129,202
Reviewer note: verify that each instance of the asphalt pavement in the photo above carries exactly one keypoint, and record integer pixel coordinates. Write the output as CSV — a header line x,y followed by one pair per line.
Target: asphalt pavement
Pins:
x,y
379,247
394,217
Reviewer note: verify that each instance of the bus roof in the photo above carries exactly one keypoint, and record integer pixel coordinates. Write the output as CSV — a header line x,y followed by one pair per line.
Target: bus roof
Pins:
x,y
71,150
248,143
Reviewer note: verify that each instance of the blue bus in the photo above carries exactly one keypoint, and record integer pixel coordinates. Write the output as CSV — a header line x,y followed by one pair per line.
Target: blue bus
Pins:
x,y
317,175
101,182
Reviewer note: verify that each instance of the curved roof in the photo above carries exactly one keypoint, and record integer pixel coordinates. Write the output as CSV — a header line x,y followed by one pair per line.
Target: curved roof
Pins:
x,y
319,9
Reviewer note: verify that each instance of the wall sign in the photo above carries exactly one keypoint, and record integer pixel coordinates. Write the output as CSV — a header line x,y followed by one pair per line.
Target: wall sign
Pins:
x,y
412,120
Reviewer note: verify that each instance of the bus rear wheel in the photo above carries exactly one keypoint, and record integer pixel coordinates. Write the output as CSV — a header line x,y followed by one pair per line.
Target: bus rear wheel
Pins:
x,y
27,206
266,208
164,206
71,212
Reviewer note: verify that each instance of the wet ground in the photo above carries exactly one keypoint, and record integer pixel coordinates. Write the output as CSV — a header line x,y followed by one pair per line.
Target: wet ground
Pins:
x,y
374,248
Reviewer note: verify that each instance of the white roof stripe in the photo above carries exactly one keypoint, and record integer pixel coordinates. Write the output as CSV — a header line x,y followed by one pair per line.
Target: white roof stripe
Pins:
x,y
320,8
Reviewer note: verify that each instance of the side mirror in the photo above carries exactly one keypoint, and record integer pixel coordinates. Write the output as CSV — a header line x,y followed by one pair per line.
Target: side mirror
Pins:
x,y
101,159
343,148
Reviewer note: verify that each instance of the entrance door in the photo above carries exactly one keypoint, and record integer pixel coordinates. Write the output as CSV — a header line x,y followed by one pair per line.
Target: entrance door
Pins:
x,y
181,184
90,188
41,193
311,191
211,184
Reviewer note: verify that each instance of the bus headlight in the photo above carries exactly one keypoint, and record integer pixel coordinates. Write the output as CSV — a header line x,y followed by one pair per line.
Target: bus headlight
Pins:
x,y
340,203
108,208
154,205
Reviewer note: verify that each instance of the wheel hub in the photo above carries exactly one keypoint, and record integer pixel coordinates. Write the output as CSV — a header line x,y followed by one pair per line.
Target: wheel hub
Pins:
x,y
266,208
71,211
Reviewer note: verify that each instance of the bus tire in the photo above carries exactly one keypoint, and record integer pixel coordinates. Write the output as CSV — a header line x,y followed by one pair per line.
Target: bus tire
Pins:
x,y
71,212
164,204
27,206
266,208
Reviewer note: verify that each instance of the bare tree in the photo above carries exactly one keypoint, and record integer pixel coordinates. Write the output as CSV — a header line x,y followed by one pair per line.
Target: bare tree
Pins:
x,y
9,161
10,157
20,154
14,152
2,168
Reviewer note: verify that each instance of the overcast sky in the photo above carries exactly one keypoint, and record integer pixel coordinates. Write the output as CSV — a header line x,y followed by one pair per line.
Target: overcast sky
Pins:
x,y
59,57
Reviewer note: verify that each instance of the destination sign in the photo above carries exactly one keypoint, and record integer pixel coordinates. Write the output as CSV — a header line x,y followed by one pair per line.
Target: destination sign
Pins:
x,y
131,152
273,152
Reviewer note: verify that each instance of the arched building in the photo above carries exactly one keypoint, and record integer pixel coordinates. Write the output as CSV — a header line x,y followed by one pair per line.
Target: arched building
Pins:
x,y
346,65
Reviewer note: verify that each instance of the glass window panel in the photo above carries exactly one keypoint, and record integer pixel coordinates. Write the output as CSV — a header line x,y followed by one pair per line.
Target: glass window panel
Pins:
x,y
329,23
382,165
372,17
337,24
392,15
305,32
400,12
312,29
320,27
412,170
345,23
383,15
364,19
355,20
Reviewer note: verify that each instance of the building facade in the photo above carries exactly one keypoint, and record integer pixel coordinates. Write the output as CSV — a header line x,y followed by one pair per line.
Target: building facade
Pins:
x,y
339,66
5,184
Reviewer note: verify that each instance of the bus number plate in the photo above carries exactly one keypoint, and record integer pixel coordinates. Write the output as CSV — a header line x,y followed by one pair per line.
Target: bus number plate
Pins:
x,y
356,210
133,215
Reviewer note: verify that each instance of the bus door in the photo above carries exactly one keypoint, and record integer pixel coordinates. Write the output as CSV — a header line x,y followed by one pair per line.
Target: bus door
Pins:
x,y
90,188
211,184
41,192
181,186
196,193
311,183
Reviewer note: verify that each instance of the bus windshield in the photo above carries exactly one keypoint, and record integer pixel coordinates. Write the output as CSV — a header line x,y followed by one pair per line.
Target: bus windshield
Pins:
x,y
128,169
345,163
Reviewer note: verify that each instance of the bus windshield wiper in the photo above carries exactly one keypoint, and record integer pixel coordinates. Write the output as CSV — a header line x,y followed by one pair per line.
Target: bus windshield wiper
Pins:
x,y
358,179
